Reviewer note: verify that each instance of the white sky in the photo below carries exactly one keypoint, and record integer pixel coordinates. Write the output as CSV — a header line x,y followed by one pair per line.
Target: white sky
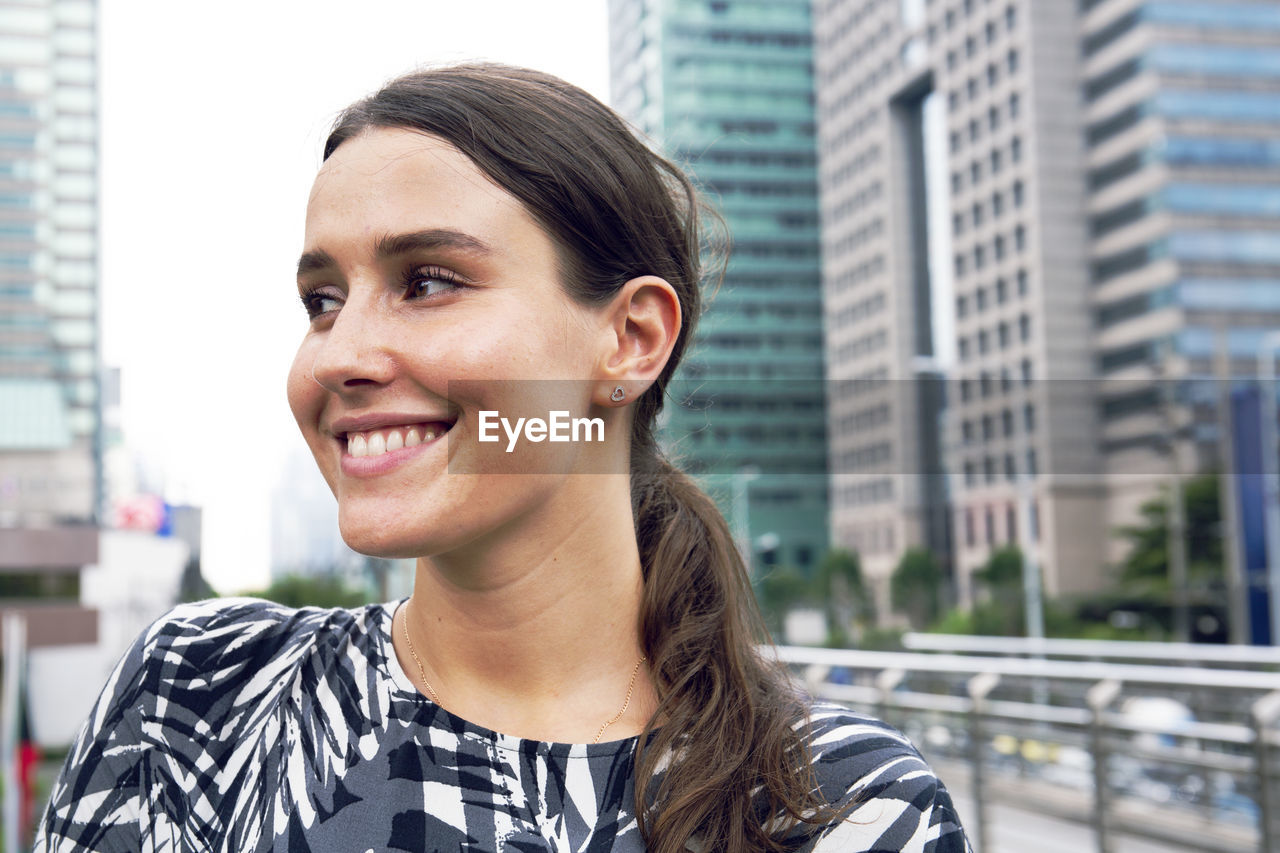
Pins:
x,y
212,119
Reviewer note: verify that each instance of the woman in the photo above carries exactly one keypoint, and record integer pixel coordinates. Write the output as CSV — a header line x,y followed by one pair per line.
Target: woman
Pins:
x,y
577,666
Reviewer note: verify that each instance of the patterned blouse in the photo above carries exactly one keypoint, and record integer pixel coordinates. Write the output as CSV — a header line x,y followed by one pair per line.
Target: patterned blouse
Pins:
x,y
240,725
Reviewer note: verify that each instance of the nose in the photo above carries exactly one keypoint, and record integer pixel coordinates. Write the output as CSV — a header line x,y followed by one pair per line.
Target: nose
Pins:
x,y
354,351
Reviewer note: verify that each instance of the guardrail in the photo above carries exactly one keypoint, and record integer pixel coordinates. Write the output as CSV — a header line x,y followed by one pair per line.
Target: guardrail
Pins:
x,y
1168,654
1088,707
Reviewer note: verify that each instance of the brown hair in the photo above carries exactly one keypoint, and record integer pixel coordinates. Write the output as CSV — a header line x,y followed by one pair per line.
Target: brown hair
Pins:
x,y
739,775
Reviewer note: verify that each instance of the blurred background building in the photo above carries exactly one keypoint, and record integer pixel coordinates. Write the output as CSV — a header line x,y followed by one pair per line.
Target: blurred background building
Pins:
x,y
50,428
1061,208
726,88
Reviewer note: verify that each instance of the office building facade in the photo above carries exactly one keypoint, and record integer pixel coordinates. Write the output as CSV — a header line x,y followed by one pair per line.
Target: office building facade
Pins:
x,y
1058,208
50,466
725,87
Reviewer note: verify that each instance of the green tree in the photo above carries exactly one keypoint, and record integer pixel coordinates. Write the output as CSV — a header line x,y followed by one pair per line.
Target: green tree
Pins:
x,y
915,587
304,591
777,592
1146,566
839,586
1003,613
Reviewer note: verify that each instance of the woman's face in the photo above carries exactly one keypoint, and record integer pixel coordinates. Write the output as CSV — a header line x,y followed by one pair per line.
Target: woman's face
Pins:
x,y
433,295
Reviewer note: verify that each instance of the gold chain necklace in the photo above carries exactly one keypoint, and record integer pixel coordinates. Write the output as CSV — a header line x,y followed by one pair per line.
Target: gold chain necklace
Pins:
x,y
435,697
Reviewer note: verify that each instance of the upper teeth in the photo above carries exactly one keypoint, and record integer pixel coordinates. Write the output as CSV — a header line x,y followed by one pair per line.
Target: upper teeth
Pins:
x,y
378,442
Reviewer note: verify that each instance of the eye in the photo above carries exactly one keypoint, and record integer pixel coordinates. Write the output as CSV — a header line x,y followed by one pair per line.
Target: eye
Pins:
x,y
427,282
320,302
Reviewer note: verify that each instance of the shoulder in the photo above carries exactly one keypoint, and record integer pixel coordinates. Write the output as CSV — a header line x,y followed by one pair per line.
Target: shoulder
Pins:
x,y
223,653
894,799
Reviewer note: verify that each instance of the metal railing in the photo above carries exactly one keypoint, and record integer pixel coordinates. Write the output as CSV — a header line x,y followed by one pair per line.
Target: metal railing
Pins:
x,y
1203,780
1166,654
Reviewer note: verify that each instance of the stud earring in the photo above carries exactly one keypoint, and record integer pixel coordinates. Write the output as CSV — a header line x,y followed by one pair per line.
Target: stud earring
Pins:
x,y
618,395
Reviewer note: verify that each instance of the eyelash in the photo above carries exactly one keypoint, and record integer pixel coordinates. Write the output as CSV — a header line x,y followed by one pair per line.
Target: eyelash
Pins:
x,y
312,301
428,273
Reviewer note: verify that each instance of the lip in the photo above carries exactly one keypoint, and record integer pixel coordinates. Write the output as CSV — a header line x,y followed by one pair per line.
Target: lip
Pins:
x,y
375,466
377,420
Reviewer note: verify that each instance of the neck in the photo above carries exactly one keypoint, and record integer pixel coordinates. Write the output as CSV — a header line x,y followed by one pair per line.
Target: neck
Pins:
x,y
536,633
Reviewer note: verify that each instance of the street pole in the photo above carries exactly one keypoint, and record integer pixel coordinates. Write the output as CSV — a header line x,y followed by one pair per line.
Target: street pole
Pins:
x,y
1237,581
1270,476
1176,537
14,627
742,479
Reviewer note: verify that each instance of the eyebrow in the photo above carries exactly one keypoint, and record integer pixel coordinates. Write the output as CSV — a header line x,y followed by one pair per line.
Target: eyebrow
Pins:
x,y
392,245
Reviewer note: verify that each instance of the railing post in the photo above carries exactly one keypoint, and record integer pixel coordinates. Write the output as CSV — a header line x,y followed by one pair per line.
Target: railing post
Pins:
x,y
1099,697
886,682
979,687
1264,712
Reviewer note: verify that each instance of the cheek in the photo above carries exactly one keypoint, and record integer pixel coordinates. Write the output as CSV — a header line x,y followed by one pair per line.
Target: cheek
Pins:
x,y
302,390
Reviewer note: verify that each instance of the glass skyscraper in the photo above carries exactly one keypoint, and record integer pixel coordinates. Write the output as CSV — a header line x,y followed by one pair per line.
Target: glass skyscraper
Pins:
x,y
50,470
725,87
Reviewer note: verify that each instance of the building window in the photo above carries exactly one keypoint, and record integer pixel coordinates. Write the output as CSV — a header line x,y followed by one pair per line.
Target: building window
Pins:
x,y
962,348
970,47
953,100
951,57
957,224
1026,371
962,306
1011,61
993,118
1022,282
1015,105
979,258
1024,327
969,538
993,74
1010,18
997,205
1015,149
956,182
989,469
1002,334
991,526
980,299
971,87
988,428
975,172
1029,417
1017,193
1020,238
982,347
984,382
1031,463
973,130
976,213
990,32
959,266
1006,422
1002,286
1035,521
1010,472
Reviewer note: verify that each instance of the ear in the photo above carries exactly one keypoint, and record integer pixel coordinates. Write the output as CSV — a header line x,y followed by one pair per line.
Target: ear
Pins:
x,y
642,322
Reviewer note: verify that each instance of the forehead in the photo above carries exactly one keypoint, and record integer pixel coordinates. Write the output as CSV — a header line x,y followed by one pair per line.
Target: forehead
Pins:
x,y
394,181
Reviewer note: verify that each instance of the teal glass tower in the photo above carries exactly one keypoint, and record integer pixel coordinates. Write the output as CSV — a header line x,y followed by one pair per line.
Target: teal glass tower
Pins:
x,y
725,87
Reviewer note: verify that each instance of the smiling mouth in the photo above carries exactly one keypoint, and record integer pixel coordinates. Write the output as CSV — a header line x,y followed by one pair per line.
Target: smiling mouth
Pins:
x,y
376,442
